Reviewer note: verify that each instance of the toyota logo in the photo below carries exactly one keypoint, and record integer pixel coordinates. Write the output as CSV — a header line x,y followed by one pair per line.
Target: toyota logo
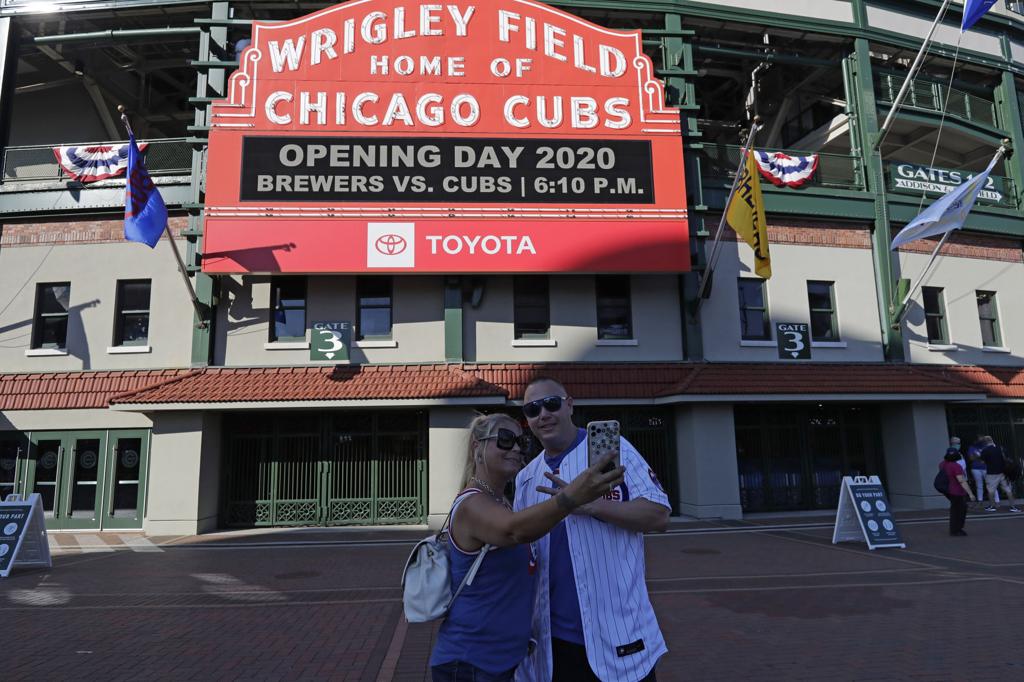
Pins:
x,y
390,244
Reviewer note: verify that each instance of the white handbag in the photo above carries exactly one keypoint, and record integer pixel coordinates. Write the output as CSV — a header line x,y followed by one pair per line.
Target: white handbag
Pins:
x,y
426,580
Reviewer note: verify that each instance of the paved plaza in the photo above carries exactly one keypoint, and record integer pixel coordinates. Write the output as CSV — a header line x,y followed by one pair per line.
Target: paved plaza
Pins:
x,y
769,599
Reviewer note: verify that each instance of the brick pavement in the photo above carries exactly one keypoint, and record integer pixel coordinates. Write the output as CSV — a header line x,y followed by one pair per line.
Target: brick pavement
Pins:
x,y
781,603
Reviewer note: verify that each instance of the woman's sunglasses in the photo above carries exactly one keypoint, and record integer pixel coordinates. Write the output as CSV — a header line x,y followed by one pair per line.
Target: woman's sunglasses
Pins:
x,y
553,403
507,439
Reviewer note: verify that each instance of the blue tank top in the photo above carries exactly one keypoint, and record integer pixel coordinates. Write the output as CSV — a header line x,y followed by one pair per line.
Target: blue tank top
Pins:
x,y
489,625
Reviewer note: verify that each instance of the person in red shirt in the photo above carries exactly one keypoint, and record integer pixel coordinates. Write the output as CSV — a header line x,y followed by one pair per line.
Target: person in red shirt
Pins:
x,y
959,491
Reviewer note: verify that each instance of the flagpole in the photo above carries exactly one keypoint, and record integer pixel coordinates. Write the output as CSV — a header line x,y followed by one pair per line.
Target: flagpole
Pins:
x,y
174,246
712,259
884,130
901,312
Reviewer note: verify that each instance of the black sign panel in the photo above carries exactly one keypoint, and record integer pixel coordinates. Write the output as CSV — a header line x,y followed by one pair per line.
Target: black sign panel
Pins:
x,y
13,521
447,169
794,340
876,518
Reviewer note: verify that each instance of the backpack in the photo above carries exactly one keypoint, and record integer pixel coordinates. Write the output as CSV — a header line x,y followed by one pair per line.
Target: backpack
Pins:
x,y
942,481
427,578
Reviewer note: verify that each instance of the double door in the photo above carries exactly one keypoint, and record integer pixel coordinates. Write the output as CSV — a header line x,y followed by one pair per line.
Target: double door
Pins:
x,y
87,479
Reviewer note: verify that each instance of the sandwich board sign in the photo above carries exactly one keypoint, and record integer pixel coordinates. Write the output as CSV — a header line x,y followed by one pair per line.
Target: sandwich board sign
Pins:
x,y
23,534
864,514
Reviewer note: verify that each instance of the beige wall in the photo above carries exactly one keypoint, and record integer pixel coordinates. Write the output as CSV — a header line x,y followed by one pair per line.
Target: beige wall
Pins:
x,y
176,475
914,438
489,329
959,278
833,10
447,444
948,32
792,266
706,461
50,420
243,320
93,270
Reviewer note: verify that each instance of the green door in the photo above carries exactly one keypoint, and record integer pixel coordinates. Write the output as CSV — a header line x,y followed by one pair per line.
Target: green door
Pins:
x,y
42,472
83,465
13,462
66,469
124,490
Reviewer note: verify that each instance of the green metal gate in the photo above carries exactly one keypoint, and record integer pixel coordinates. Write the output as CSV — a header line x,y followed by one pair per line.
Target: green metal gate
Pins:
x,y
309,469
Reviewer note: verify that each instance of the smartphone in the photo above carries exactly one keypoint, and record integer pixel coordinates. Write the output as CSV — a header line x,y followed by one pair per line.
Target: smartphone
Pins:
x,y
602,438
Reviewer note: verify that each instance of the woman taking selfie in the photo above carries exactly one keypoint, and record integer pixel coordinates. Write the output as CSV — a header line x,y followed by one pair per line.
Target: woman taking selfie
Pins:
x,y
487,631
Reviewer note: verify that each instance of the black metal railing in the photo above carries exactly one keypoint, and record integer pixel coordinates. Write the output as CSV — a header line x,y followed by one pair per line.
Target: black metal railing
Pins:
x,y
37,163
837,171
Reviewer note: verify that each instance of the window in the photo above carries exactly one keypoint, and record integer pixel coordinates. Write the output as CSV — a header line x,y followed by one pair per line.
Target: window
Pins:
x,y
50,327
614,315
935,314
532,307
754,320
988,315
131,323
374,299
288,309
822,301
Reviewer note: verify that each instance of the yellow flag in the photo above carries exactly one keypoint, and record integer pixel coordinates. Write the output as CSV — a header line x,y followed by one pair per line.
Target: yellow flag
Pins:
x,y
745,214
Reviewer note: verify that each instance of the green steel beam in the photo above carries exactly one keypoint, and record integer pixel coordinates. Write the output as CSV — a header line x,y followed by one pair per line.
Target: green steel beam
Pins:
x,y
864,110
1008,110
453,331
211,80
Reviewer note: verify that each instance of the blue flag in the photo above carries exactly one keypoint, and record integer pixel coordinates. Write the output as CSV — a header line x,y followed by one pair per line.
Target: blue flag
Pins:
x,y
145,215
946,214
973,10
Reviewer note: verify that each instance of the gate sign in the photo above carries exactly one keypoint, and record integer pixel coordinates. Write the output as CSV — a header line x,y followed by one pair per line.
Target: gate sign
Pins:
x,y
794,340
864,514
23,534
330,341
472,136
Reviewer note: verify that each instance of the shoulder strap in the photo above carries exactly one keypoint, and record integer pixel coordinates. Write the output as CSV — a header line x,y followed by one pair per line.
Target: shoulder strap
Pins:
x,y
470,574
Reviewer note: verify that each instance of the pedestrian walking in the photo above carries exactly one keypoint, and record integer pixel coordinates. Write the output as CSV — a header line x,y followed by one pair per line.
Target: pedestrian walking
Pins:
x,y
593,618
995,479
487,630
959,491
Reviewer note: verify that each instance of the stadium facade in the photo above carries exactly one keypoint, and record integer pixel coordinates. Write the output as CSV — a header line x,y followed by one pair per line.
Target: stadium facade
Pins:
x,y
323,380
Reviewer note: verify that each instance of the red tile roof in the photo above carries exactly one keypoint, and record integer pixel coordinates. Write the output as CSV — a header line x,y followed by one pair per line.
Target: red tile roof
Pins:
x,y
74,390
814,378
282,384
997,382
501,381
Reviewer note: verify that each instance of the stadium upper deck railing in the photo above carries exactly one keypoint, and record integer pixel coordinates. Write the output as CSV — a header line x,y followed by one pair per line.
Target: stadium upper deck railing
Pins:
x,y
168,156
930,95
835,171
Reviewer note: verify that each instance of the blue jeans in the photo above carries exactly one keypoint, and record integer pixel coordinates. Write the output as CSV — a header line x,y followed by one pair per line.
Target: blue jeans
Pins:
x,y
460,671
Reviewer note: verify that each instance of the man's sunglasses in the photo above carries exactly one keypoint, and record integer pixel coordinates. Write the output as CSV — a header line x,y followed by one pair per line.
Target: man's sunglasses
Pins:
x,y
507,439
553,403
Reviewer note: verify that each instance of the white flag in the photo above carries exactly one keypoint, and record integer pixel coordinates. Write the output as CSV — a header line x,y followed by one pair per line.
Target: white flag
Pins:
x,y
948,213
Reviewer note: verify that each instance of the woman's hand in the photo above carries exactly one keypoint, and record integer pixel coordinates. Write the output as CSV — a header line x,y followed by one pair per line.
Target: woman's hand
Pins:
x,y
590,485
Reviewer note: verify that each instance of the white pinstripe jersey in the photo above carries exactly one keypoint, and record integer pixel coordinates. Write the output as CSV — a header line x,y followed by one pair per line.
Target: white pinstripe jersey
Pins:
x,y
608,563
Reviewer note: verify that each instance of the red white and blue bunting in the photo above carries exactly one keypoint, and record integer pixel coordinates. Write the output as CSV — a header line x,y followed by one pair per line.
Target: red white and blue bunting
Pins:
x,y
89,164
784,170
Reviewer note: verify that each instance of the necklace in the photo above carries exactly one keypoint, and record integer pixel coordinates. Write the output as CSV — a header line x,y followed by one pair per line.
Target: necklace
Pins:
x,y
498,498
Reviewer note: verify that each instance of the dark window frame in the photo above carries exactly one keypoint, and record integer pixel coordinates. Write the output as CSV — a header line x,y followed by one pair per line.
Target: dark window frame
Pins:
x,y
120,313
614,308
276,285
39,316
542,292
764,310
362,284
996,332
832,311
939,315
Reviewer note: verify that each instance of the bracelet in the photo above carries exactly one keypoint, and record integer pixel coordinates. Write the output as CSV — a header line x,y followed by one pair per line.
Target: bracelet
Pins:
x,y
566,502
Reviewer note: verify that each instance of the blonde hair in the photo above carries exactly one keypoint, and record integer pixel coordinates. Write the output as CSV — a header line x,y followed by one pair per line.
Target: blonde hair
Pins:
x,y
481,427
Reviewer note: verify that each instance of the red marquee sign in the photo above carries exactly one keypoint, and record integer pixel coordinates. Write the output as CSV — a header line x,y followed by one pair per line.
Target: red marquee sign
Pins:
x,y
477,136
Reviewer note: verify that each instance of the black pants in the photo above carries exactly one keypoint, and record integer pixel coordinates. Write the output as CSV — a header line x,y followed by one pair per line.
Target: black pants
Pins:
x,y
570,663
957,512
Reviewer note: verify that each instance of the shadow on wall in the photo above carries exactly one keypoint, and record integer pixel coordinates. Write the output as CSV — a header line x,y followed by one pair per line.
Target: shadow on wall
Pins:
x,y
241,313
76,339
916,316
